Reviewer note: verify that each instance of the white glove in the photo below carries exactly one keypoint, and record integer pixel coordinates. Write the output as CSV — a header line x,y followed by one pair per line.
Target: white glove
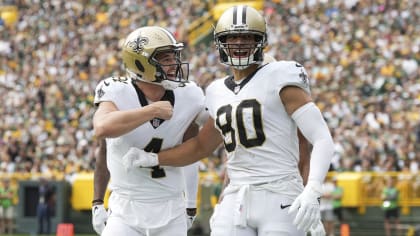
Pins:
x,y
307,206
190,221
136,157
317,229
99,218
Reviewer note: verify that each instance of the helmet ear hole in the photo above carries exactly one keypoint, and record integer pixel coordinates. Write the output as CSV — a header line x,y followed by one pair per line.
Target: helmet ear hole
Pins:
x,y
223,38
139,66
258,38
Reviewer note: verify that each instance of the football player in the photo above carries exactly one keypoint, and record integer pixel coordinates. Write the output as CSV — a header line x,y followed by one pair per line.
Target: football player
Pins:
x,y
256,113
152,108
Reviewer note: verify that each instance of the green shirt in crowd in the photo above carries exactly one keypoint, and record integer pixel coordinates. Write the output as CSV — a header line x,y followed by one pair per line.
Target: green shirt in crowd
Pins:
x,y
390,198
5,201
338,191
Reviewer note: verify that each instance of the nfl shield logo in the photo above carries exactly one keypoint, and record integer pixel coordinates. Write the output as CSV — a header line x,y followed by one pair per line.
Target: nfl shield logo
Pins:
x,y
237,88
156,122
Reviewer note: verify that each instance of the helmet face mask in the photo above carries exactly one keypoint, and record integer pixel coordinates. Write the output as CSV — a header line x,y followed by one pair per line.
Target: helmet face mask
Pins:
x,y
240,36
151,54
170,67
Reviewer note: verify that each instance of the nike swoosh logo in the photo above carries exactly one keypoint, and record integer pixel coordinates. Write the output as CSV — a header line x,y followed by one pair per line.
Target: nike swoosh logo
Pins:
x,y
284,206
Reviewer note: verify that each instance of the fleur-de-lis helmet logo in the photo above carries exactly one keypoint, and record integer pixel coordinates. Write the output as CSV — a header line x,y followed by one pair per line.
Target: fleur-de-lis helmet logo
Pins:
x,y
138,44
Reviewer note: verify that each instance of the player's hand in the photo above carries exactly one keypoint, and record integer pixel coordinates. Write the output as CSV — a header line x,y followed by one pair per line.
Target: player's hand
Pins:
x,y
162,109
307,206
136,157
317,229
99,218
191,213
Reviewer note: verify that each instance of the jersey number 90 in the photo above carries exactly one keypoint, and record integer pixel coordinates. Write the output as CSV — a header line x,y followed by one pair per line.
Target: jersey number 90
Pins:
x,y
248,124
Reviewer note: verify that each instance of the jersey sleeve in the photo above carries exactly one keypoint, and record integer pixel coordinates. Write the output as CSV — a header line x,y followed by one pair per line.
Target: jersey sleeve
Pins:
x,y
193,96
107,89
196,93
207,102
292,74
211,94
202,115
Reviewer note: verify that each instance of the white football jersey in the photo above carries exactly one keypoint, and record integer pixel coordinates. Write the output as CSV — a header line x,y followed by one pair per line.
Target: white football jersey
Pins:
x,y
148,184
259,136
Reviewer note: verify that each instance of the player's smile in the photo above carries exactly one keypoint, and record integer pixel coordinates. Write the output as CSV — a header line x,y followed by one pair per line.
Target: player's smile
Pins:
x,y
240,53
171,74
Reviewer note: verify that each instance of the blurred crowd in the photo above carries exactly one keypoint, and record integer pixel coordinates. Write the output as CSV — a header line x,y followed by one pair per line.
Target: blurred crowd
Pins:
x,y
362,57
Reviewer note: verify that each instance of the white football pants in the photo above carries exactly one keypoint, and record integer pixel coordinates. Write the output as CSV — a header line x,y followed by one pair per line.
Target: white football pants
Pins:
x,y
254,210
134,218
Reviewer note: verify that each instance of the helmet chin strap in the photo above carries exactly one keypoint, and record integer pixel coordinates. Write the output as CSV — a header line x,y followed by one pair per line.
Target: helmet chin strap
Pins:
x,y
166,84
170,85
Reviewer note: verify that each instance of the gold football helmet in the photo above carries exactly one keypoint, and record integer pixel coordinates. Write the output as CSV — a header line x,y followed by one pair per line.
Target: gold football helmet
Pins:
x,y
240,21
139,57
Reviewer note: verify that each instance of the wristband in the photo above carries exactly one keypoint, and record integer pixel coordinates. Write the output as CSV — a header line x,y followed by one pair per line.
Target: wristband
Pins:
x,y
100,201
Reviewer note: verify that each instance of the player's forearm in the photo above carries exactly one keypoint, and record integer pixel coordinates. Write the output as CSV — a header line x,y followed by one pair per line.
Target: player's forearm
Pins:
x,y
101,174
100,181
199,147
188,153
117,123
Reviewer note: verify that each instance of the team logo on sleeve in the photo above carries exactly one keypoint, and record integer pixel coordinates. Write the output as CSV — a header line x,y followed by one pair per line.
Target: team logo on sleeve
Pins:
x,y
101,92
302,75
304,78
